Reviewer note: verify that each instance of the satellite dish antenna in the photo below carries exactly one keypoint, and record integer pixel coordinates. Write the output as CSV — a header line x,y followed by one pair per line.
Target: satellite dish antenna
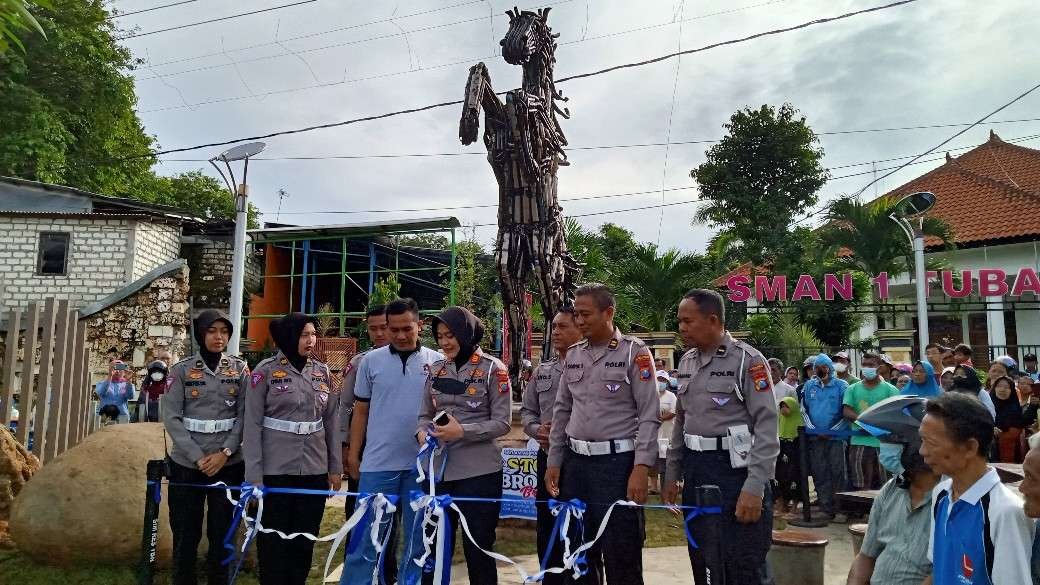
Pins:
x,y
242,151
915,204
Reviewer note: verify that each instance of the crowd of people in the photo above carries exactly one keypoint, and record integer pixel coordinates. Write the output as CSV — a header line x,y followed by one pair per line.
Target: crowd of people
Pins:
x,y
612,423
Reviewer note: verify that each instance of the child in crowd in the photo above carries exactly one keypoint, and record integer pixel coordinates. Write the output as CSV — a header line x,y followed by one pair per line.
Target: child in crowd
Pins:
x,y
788,469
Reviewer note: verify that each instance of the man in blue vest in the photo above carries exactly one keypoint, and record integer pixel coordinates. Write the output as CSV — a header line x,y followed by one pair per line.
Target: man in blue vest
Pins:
x,y
980,535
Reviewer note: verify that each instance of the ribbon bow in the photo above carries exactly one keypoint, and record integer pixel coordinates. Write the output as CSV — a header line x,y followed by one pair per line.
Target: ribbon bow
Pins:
x,y
694,512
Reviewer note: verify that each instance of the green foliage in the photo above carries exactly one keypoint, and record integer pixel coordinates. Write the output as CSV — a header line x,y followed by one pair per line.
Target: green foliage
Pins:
x,y
386,289
16,19
476,284
653,282
767,169
68,114
432,241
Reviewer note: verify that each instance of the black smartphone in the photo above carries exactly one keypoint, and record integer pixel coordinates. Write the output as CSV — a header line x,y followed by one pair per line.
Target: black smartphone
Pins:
x,y
441,419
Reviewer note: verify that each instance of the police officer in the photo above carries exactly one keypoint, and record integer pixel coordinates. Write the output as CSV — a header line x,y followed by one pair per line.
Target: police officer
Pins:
x,y
537,416
202,412
466,406
725,435
604,434
291,432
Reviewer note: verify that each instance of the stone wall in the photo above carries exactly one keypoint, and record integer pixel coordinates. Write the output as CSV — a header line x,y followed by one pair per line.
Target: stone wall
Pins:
x,y
134,328
155,244
211,261
98,261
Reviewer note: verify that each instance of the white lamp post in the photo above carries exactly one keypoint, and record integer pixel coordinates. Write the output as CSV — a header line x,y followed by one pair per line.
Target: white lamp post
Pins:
x,y
912,207
241,194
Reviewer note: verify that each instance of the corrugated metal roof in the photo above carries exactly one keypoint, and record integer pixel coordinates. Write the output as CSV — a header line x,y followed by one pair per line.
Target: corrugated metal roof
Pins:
x,y
347,229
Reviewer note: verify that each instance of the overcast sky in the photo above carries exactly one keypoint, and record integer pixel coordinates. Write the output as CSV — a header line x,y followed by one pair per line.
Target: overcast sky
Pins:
x,y
931,62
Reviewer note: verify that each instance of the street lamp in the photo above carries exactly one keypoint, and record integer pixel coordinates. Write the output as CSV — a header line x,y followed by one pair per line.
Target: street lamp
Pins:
x,y
241,194
912,207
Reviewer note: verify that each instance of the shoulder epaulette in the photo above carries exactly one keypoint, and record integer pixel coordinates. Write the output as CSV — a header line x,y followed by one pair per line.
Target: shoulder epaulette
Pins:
x,y
265,361
633,339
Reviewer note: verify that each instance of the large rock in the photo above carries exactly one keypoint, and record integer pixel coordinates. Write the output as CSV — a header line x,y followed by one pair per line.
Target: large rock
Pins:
x,y
87,505
17,465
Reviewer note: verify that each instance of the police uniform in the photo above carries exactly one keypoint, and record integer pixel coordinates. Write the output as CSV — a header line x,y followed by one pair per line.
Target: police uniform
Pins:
x,y
292,440
478,396
729,440
605,422
346,409
203,414
537,409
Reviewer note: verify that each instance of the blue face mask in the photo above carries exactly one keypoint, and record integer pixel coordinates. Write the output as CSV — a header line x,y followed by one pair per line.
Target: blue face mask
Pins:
x,y
868,373
890,457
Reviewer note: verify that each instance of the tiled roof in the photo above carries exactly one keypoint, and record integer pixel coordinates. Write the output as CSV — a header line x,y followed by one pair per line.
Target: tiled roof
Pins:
x,y
989,194
744,269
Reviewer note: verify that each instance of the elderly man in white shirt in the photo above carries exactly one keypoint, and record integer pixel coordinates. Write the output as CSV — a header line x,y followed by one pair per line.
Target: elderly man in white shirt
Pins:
x,y
781,388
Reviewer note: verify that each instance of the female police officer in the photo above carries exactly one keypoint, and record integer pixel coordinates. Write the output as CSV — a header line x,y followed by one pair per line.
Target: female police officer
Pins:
x,y
466,406
291,441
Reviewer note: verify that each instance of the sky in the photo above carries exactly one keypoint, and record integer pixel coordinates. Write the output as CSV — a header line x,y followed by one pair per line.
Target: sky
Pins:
x,y
932,62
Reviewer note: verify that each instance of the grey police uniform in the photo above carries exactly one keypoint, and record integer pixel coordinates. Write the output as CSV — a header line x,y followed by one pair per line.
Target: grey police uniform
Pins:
x,y
346,395
203,410
605,422
540,396
725,388
484,411
291,421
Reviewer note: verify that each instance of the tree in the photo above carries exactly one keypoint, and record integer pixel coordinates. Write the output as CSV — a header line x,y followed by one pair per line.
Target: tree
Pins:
x,y
653,282
767,169
68,115
15,19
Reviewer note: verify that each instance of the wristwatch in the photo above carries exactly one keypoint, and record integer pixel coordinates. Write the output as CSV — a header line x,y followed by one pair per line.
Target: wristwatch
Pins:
x,y
227,452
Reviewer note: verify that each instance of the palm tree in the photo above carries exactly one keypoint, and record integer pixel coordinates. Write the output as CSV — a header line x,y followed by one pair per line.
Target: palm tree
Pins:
x,y
870,240
651,283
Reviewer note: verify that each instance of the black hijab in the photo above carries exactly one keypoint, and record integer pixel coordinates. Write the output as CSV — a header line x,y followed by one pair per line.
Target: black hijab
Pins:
x,y
286,333
1009,411
465,326
969,383
203,322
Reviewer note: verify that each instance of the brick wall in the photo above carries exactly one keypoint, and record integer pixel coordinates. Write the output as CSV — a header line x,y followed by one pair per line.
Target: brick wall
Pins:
x,y
98,261
210,263
155,244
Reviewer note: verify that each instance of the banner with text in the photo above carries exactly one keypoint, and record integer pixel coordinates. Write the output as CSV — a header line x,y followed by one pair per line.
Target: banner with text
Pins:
x,y
519,483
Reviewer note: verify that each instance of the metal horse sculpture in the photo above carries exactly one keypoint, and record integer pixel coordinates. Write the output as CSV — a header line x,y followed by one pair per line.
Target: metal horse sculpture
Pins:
x,y
525,148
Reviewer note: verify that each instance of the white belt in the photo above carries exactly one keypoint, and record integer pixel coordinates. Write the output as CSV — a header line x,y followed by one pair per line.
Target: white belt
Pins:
x,y
288,426
209,426
699,443
602,447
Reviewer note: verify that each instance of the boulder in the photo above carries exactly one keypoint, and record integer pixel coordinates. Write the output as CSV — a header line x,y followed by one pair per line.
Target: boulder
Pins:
x,y
17,465
87,505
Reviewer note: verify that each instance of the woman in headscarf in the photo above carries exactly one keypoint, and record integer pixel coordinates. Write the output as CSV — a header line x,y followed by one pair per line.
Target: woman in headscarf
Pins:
x,y
1000,366
1009,422
966,380
152,390
291,440
922,381
114,394
466,406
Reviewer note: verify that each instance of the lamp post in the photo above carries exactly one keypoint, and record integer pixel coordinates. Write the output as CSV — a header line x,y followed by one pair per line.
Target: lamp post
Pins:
x,y
241,195
912,207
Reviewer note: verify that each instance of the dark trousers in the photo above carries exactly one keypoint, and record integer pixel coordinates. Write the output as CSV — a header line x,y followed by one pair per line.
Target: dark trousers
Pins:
x,y
827,464
545,525
744,546
287,562
186,510
482,518
599,481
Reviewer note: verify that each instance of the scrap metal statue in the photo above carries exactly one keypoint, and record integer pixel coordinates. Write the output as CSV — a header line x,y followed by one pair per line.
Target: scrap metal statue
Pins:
x,y
525,148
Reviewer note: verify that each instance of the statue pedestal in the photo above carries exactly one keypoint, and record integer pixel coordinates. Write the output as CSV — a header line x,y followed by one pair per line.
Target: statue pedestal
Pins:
x,y
897,343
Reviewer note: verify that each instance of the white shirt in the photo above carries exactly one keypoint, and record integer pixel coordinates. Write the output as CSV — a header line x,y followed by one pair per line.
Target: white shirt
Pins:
x,y
668,403
782,390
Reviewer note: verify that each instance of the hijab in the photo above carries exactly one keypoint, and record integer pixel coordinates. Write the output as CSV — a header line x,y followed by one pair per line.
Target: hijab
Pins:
x,y
286,334
969,384
929,389
1009,411
465,326
788,423
202,323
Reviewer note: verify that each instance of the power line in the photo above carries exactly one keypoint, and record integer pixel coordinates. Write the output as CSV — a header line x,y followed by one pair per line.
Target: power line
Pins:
x,y
458,102
222,18
171,5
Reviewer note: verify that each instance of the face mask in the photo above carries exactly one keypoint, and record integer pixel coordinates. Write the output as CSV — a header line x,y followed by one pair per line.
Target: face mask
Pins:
x,y
840,368
890,457
662,385
158,376
868,373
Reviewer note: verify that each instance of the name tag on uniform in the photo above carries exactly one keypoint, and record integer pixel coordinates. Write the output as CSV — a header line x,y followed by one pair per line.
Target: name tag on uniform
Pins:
x,y
615,364
190,383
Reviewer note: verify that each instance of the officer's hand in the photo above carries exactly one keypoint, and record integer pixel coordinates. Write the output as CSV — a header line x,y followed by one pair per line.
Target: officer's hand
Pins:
x,y
354,465
452,431
749,508
670,493
542,435
637,483
335,482
552,481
